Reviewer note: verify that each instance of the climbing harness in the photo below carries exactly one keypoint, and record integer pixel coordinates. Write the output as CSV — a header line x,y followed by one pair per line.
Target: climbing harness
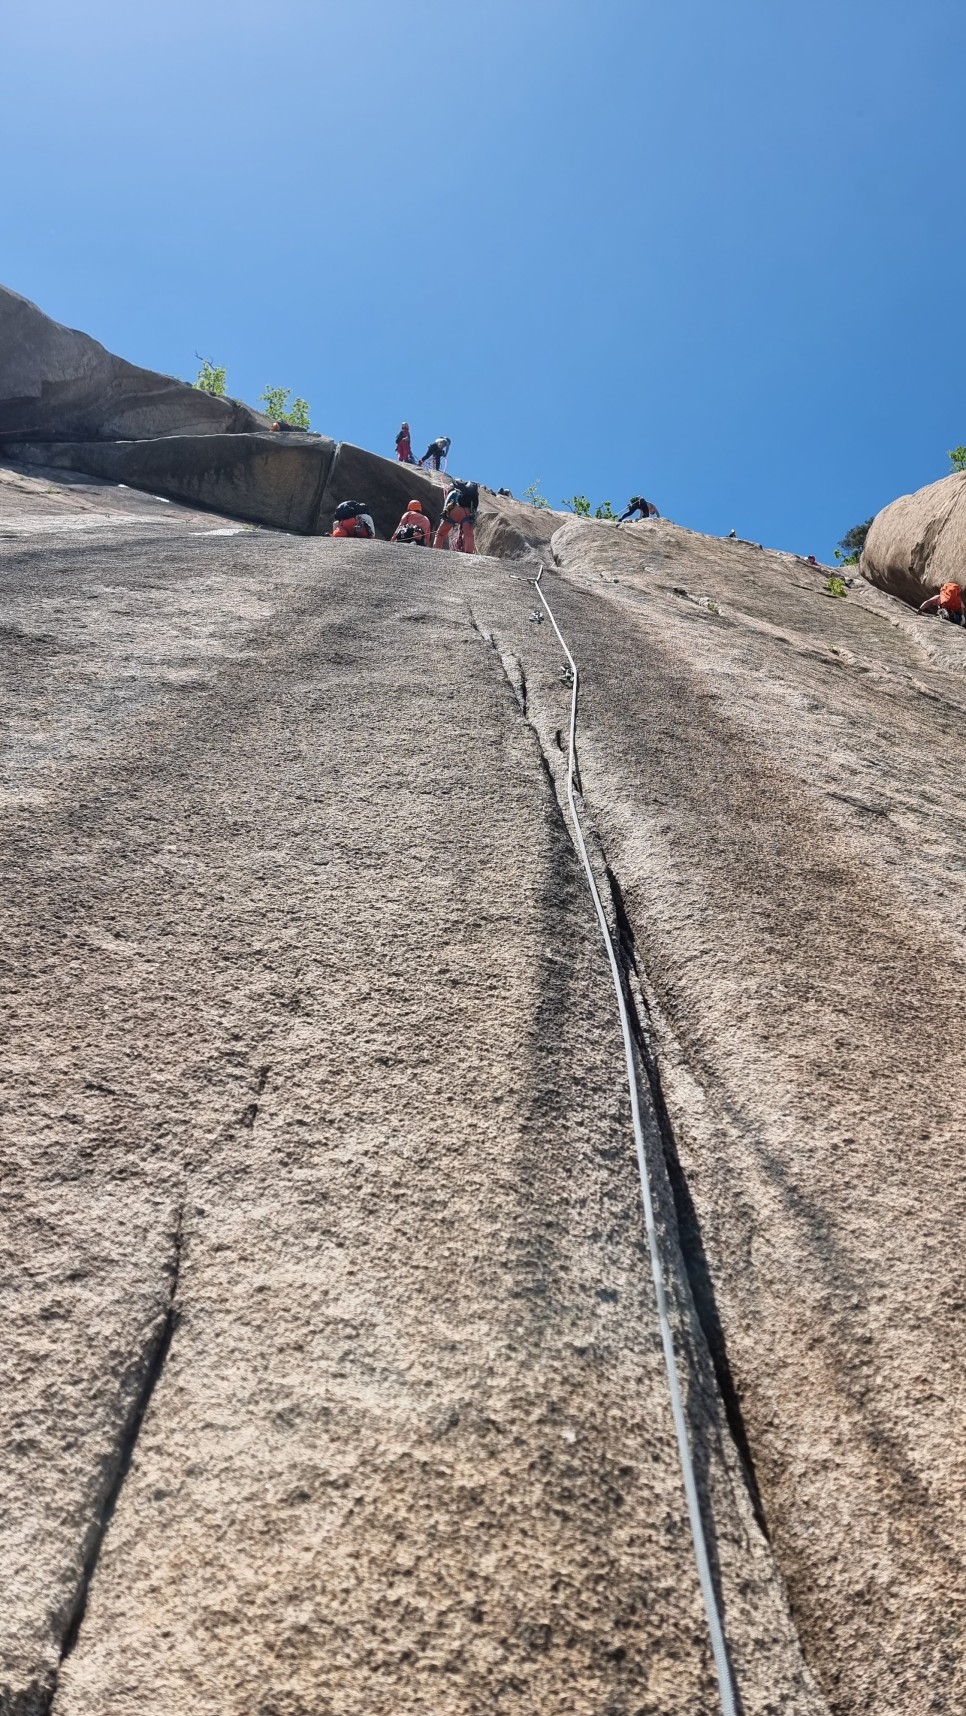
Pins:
x,y
711,1606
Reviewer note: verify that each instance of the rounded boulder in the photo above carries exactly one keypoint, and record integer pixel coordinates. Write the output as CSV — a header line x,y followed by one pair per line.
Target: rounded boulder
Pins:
x,y
918,542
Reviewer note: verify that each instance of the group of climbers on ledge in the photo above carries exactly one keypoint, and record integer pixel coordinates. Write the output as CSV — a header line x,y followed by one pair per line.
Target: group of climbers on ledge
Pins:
x,y
434,457
352,519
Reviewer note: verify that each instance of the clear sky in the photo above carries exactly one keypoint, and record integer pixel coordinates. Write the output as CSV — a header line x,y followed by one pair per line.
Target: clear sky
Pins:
x,y
710,253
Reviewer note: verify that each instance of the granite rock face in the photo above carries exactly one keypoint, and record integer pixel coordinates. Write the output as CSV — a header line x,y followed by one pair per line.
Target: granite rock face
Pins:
x,y
918,542
58,384
331,1379
511,530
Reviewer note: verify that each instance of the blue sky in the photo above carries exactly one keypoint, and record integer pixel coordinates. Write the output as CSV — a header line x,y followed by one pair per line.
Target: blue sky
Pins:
x,y
713,254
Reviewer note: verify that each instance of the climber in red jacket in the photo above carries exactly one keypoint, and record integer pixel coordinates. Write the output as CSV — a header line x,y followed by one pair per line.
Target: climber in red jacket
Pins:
x,y
947,604
352,518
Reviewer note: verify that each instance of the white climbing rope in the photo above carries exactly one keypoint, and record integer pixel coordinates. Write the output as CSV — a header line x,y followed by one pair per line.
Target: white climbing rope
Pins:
x,y
708,1593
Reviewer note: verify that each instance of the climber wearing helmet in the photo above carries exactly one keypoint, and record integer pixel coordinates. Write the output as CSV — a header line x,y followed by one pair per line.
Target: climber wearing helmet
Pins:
x,y
414,526
352,518
459,509
436,453
404,446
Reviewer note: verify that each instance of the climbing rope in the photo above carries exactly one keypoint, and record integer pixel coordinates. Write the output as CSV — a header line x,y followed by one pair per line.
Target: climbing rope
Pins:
x,y
711,1606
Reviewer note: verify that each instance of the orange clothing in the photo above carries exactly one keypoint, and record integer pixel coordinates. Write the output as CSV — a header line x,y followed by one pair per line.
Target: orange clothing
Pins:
x,y
453,516
419,521
951,597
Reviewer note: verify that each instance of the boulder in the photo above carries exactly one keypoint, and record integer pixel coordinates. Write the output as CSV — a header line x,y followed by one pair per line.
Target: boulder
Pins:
x,y
383,483
58,384
511,530
918,542
268,479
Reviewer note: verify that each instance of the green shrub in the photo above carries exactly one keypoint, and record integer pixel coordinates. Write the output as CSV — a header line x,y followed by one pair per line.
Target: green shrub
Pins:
x,y
275,401
578,504
605,510
533,497
957,458
835,586
211,378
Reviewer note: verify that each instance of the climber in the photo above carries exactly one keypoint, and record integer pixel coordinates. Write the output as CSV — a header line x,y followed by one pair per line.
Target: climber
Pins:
x,y
352,518
948,604
459,508
639,504
404,446
436,453
414,526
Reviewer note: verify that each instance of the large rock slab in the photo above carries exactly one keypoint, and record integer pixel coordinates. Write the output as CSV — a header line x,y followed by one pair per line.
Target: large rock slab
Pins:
x,y
272,479
918,542
58,383
291,481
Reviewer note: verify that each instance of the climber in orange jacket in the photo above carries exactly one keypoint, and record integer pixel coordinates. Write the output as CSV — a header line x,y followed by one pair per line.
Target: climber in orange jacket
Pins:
x,y
459,508
947,603
414,526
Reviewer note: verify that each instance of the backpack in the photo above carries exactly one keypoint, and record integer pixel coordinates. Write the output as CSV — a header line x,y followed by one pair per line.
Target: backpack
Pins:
x,y
350,509
464,494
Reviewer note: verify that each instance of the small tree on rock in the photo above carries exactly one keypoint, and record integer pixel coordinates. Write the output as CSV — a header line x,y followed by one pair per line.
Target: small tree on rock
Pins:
x,y
211,378
852,543
275,401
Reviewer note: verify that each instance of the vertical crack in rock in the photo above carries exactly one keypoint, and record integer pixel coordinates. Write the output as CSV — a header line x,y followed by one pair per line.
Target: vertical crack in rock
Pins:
x,y
688,1223
689,1236
514,670
149,1368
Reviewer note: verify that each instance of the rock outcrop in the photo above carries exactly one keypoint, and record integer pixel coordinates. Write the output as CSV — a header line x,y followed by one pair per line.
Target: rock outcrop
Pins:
x,y
270,479
68,404
287,481
918,542
58,384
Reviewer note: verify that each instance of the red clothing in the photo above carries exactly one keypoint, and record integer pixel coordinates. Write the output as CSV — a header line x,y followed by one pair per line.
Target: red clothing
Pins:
x,y
361,525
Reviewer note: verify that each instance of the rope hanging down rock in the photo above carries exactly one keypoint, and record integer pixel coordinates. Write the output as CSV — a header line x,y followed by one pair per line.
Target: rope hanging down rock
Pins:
x,y
708,1593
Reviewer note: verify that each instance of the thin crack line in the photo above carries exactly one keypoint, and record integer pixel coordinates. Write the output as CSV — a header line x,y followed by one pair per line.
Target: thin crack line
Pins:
x,y
154,1360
